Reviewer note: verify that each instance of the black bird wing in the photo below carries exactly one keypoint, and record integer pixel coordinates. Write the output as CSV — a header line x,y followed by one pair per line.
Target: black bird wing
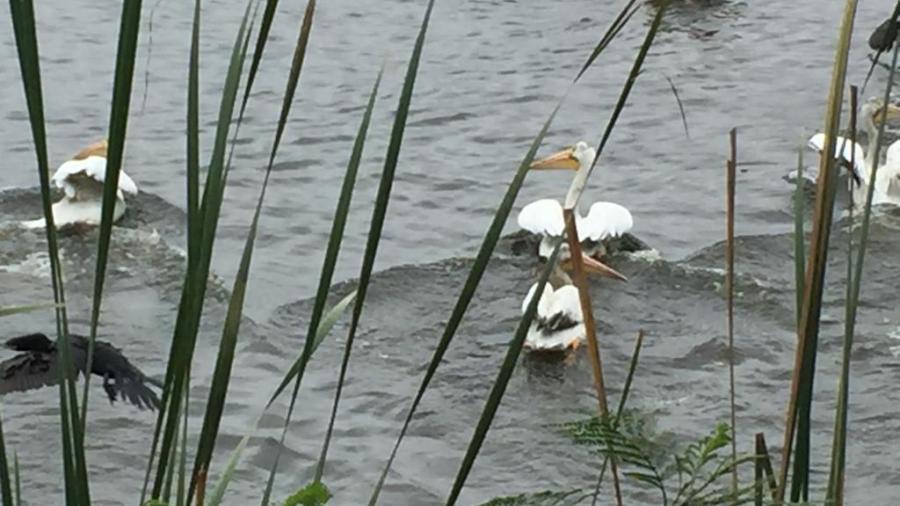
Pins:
x,y
121,378
135,392
28,371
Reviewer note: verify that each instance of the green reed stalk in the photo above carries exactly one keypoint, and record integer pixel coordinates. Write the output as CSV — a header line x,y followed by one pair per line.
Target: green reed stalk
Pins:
x,y
378,213
799,238
800,404
76,490
118,123
5,482
839,445
194,290
221,376
632,367
503,376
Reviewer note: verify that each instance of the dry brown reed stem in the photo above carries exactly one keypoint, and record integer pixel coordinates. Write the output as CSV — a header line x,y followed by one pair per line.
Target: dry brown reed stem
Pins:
x,y
201,486
590,329
729,289
764,466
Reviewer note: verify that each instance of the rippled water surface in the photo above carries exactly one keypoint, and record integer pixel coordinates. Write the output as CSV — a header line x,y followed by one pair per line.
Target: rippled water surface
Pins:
x,y
490,74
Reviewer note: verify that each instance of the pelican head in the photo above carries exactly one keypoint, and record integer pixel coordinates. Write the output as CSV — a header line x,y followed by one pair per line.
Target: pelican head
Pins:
x,y
874,112
575,157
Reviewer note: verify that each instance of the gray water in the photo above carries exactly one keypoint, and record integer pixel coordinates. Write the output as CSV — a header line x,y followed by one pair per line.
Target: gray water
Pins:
x,y
490,74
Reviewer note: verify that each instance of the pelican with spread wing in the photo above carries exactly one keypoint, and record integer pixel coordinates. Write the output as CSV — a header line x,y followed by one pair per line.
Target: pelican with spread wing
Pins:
x,y
604,220
860,163
81,180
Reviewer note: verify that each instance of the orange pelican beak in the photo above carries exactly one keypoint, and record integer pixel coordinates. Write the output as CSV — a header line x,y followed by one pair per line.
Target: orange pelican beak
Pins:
x,y
594,266
561,160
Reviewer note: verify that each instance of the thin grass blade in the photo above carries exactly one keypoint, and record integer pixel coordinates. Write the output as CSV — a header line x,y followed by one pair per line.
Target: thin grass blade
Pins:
x,y
378,214
118,123
194,291
327,322
22,14
219,388
626,91
11,310
799,237
192,191
800,403
193,141
468,291
835,493
611,32
632,367
5,482
503,376
684,123
18,478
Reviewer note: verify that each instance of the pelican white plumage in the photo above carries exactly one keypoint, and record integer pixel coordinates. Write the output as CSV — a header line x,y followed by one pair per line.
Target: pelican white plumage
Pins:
x,y
559,323
544,217
81,180
887,178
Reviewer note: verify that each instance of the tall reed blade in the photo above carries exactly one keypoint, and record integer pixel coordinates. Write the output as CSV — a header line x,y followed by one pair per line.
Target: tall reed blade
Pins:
x,y
800,403
799,238
335,239
324,328
194,290
192,192
11,310
222,373
17,474
118,122
626,389
729,294
468,291
378,213
611,32
193,141
503,376
835,492
629,83
5,482
22,13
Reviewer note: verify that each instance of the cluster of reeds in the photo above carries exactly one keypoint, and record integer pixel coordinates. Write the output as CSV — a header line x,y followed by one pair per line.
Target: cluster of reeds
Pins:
x,y
176,474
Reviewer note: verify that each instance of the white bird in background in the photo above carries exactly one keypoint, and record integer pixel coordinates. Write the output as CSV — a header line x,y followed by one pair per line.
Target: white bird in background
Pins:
x,y
887,178
81,179
544,217
559,323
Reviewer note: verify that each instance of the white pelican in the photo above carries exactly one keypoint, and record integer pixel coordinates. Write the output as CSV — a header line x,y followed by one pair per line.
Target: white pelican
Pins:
x,y
81,178
544,217
887,178
559,322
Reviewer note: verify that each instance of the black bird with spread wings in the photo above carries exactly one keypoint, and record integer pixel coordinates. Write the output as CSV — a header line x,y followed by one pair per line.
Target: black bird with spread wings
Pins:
x,y
36,366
